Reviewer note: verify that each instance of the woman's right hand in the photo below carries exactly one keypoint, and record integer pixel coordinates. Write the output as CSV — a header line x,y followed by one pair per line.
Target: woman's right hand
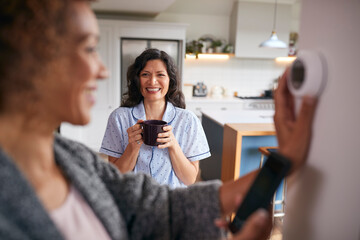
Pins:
x,y
257,227
293,132
128,159
135,135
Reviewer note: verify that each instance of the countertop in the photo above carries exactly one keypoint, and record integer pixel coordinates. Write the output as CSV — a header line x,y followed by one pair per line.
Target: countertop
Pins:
x,y
212,99
240,116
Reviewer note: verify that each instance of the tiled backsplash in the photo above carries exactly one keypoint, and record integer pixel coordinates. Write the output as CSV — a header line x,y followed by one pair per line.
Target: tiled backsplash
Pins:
x,y
248,77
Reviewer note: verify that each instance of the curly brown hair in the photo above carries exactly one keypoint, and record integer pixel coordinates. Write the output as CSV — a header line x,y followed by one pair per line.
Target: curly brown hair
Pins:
x,y
33,33
133,96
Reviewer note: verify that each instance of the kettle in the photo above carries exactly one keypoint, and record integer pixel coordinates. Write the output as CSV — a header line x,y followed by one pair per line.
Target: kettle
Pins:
x,y
217,92
200,90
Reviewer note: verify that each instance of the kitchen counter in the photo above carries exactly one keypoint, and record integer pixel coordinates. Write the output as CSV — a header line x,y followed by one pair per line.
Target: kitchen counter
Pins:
x,y
232,136
240,153
212,99
240,116
200,104
230,109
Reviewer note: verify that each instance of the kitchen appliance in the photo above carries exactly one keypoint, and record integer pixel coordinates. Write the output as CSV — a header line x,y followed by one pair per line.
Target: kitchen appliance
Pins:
x,y
200,90
217,92
257,103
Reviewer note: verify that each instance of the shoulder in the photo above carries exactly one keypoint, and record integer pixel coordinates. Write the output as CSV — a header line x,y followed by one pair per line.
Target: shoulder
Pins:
x,y
75,158
120,115
184,113
121,111
187,116
64,147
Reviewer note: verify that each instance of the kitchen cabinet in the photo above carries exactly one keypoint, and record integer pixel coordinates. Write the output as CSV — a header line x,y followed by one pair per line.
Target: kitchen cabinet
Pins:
x,y
252,22
200,104
109,90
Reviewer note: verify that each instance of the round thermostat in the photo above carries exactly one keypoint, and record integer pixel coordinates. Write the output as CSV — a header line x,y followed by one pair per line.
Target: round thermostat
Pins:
x,y
307,75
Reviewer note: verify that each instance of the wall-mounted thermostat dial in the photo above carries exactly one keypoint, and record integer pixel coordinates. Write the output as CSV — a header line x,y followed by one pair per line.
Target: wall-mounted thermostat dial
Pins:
x,y
307,75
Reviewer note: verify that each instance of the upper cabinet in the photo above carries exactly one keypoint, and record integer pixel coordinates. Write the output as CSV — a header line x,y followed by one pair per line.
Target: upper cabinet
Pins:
x,y
252,23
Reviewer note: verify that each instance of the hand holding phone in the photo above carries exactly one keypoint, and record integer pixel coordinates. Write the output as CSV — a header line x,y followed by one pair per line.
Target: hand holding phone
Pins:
x,y
262,190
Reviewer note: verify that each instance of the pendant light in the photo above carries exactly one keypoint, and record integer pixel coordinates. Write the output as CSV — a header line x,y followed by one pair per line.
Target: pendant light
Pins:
x,y
273,41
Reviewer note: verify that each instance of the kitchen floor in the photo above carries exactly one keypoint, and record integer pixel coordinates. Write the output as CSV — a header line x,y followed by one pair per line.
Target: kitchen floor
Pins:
x,y
277,230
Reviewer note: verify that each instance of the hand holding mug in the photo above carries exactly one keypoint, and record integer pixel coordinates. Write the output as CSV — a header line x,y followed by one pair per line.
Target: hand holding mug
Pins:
x,y
167,138
135,135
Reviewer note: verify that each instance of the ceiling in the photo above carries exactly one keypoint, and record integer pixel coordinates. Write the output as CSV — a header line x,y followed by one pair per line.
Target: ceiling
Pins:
x,y
153,7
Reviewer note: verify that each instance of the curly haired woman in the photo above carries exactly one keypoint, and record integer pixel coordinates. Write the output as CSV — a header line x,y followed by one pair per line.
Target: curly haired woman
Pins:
x,y
154,94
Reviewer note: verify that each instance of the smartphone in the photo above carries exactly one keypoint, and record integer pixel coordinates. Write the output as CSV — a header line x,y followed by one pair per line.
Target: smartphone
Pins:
x,y
262,190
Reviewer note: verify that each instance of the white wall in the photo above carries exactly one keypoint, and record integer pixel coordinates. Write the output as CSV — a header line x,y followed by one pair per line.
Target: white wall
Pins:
x,y
323,200
200,24
295,16
248,77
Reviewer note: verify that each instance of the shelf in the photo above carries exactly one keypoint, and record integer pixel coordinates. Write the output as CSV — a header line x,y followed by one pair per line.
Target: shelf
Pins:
x,y
220,56
289,59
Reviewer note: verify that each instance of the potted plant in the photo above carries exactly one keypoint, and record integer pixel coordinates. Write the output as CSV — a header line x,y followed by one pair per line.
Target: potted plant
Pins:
x,y
216,45
194,47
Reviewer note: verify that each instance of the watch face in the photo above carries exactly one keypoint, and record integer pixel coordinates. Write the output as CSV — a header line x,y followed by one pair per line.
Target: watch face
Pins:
x,y
297,74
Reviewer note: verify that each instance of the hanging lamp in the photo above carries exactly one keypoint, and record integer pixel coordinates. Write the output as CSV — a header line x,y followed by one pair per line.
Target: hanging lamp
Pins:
x,y
273,41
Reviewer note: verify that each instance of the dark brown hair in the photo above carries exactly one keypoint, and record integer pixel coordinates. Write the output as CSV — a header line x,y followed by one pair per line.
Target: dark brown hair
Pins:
x,y
133,96
33,33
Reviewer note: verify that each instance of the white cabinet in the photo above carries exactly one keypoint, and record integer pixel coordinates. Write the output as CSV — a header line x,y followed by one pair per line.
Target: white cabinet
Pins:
x,y
205,104
108,94
252,22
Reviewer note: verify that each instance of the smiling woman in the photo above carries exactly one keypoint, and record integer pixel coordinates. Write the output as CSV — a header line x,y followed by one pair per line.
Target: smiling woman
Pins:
x,y
154,94
65,55
80,71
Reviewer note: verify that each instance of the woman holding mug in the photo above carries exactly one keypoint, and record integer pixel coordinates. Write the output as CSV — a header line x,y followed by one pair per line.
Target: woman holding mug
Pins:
x,y
154,94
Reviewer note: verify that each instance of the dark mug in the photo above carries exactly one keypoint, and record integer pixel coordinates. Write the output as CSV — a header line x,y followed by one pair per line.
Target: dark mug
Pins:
x,y
151,129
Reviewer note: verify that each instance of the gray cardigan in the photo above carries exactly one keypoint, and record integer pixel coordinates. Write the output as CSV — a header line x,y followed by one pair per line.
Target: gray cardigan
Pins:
x,y
130,206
